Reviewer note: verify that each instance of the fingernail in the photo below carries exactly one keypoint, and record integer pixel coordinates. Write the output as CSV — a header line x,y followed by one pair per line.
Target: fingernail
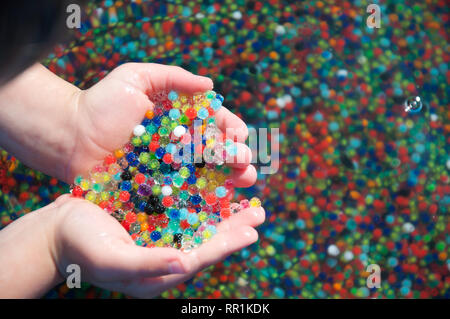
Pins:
x,y
176,268
204,79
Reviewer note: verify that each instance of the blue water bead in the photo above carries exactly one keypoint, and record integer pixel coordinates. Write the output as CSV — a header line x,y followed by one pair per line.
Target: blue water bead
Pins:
x,y
216,104
219,97
174,214
195,199
183,213
142,204
191,168
173,95
167,180
192,218
157,121
131,157
174,114
171,148
155,235
191,179
160,152
202,113
221,192
125,186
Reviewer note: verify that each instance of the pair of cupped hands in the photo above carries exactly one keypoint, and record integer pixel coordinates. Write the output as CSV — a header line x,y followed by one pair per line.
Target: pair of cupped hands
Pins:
x,y
99,120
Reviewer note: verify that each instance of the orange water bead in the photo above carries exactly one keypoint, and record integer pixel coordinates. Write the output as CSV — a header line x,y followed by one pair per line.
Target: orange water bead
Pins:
x,y
141,218
144,226
119,153
150,114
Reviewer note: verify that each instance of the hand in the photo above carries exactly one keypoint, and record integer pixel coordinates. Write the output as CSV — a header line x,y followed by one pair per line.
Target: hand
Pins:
x,y
105,115
109,258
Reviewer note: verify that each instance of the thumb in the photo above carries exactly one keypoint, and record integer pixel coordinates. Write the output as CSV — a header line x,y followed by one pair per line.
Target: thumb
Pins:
x,y
154,77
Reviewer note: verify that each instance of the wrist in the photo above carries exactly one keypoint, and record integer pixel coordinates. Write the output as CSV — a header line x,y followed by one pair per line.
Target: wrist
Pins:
x,y
29,267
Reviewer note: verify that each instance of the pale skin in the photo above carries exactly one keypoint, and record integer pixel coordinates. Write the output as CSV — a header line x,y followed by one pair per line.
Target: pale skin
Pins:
x,y
54,127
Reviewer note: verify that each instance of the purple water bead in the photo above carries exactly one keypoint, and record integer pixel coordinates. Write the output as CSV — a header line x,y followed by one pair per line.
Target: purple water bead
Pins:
x,y
144,190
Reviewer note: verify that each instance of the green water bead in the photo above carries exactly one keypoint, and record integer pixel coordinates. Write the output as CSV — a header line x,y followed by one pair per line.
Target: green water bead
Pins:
x,y
136,141
144,158
156,189
210,95
153,164
184,172
151,128
167,238
146,138
97,188
164,140
163,131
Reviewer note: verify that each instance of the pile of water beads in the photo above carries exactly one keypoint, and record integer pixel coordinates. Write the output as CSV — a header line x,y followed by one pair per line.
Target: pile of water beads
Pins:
x,y
168,186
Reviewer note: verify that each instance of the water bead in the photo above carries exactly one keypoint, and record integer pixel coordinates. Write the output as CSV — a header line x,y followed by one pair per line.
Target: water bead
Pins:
x,y
221,192
166,190
172,96
138,130
179,131
255,202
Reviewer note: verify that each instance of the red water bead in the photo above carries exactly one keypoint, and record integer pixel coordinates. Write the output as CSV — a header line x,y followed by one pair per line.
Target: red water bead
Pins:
x,y
124,196
153,146
224,202
211,199
167,201
167,158
162,220
191,113
225,213
77,191
125,225
184,224
151,227
130,217
134,236
103,204
139,178
109,159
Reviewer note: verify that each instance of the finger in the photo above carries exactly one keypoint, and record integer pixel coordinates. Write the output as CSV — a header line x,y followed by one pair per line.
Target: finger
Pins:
x,y
244,177
129,261
253,216
241,158
229,123
158,77
209,253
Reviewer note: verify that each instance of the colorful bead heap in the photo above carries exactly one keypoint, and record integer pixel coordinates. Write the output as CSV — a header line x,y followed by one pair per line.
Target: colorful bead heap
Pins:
x,y
358,171
166,187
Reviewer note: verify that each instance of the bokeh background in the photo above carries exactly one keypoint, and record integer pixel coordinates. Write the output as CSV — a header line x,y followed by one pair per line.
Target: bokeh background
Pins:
x,y
361,181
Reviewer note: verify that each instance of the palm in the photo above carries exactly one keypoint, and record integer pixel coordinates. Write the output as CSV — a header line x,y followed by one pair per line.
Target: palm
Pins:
x,y
108,257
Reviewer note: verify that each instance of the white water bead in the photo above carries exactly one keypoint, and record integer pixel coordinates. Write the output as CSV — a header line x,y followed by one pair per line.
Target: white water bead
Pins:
x,y
166,190
333,250
408,228
348,255
179,131
139,130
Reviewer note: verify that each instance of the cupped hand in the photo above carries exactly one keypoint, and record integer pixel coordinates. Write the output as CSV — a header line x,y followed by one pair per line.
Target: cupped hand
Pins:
x,y
105,115
108,258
